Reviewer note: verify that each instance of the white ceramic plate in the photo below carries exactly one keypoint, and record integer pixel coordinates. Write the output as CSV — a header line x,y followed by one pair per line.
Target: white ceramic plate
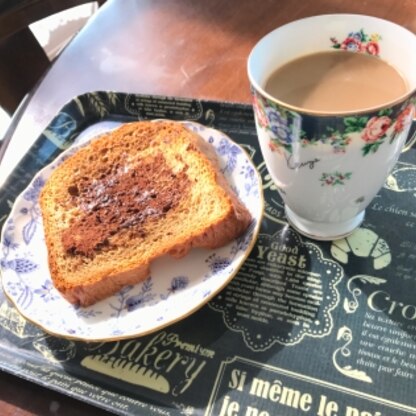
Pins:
x,y
175,288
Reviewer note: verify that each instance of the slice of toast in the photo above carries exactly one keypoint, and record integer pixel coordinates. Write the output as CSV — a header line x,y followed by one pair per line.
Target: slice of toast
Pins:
x,y
128,197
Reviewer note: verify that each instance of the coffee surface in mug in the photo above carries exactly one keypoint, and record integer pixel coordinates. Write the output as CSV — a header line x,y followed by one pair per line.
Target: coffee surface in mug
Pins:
x,y
336,81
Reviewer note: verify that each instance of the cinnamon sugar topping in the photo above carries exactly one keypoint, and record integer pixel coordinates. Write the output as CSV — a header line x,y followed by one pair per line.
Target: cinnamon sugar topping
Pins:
x,y
124,197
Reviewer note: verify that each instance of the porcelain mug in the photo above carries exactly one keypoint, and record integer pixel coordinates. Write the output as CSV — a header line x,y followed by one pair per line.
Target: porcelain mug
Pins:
x,y
329,166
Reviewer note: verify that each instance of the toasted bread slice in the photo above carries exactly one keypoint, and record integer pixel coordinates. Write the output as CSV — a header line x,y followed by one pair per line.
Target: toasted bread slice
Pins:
x,y
129,197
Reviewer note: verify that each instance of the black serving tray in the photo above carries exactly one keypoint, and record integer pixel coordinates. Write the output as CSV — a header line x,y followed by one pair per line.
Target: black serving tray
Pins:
x,y
304,328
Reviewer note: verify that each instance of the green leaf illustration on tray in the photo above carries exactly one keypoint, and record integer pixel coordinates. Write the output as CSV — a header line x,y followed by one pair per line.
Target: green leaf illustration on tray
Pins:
x,y
98,104
113,98
78,103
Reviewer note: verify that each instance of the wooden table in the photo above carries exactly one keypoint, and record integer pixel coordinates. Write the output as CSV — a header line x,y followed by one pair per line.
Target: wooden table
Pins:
x,y
179,47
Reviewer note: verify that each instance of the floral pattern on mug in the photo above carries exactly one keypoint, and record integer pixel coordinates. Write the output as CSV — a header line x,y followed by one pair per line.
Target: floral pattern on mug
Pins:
x,y
337,139
282,125
286,127
375,132
404,118
336,178
359,42
376,128
259,109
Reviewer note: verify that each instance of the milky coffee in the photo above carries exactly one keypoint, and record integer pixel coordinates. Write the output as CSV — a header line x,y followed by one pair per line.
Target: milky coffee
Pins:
x,y
336,81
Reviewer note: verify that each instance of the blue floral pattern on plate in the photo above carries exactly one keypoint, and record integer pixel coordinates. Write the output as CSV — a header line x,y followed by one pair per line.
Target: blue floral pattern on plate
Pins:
x,y
175,288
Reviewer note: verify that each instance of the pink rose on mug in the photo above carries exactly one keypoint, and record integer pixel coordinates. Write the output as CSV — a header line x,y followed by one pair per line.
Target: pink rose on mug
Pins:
x,y
376,128
351,44
404,118
372,48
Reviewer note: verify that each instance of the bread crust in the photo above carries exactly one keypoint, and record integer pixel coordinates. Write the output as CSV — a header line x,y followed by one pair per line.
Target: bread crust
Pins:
x,y
193,207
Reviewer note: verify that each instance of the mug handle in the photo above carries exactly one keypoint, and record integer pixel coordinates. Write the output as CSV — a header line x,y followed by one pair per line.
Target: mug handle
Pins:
x,y
410,142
